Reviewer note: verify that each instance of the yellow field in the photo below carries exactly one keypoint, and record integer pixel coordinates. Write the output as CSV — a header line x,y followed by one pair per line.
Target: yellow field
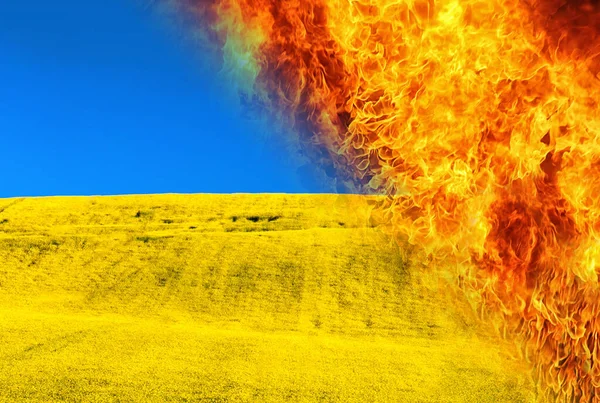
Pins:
x,y
228,298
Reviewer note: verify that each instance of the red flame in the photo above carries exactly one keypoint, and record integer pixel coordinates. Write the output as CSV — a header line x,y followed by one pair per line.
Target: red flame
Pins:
x,y
479,119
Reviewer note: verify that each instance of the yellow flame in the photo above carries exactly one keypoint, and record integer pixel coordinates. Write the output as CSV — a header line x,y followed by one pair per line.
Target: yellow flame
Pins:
x,y
479,119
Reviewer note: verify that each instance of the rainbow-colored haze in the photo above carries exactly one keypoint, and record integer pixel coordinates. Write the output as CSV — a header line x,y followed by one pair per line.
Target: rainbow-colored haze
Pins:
x,y
478,118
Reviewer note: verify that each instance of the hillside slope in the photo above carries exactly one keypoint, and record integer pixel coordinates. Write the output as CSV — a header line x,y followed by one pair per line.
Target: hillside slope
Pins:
x,y
228,298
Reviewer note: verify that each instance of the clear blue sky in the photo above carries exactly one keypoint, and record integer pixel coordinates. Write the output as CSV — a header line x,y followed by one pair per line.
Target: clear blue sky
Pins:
x,y
99,97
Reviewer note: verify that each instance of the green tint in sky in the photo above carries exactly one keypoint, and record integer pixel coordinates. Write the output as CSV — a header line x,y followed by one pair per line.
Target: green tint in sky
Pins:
x,y
99,97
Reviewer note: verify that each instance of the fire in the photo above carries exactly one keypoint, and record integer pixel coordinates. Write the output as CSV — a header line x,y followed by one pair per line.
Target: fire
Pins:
x,y
478,118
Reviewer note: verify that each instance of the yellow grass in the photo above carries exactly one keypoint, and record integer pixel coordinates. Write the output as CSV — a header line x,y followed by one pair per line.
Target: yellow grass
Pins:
x,y
228,298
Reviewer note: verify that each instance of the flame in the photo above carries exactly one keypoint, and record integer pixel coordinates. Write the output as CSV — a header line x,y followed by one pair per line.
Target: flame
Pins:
x,y
478,118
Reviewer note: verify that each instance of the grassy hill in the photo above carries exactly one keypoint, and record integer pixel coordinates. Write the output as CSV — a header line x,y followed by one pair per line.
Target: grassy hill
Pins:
x,y
219,298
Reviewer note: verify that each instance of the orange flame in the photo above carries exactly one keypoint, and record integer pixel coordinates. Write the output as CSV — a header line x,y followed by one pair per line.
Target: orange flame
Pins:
x,y
479,119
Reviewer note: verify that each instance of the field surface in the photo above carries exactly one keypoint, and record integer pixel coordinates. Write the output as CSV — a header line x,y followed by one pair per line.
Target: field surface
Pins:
x,y
218,298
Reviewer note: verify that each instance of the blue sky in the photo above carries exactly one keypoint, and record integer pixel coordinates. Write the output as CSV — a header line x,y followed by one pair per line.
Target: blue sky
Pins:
x,y
99,97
